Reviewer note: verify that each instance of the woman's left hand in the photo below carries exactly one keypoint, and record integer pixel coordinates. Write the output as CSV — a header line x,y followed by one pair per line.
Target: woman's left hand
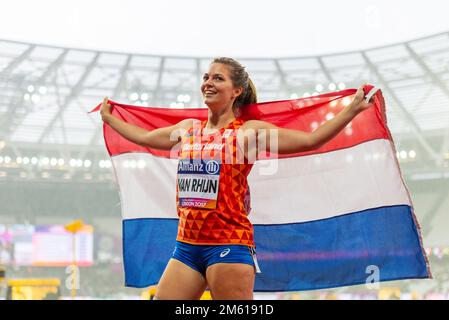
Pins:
x,y
359,104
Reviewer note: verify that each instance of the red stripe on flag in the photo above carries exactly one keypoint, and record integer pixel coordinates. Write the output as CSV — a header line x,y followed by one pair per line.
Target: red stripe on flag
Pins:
x,y
304,114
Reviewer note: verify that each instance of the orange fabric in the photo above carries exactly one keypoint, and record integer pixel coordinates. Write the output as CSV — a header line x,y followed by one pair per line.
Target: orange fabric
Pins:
x,y
228,223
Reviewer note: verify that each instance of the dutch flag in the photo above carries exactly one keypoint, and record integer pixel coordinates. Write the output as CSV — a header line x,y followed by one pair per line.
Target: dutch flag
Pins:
x,y
325,218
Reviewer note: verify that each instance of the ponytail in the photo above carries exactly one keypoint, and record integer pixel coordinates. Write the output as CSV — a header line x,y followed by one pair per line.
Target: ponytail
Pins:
x,y
248,96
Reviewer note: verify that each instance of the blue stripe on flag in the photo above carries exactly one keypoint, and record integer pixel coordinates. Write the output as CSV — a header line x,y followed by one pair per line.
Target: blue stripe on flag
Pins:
x,y
147,246
334,252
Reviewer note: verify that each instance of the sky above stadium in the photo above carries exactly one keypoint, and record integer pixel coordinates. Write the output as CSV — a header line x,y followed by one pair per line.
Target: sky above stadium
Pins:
x,y
237,28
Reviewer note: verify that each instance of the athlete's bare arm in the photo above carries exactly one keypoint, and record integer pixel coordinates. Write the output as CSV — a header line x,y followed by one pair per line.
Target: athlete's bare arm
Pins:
x,y
288,141
292,141
162,138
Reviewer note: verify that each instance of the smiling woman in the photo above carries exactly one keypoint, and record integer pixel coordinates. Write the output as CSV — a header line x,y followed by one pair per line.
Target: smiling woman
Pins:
x,y
226,82
215,238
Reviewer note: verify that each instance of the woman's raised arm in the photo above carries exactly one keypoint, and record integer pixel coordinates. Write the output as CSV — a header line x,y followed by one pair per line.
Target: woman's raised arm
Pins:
x,y
293,141
162,138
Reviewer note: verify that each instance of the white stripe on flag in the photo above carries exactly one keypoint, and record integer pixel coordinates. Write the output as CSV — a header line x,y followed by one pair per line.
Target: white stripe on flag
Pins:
x,y
148,192
326,185
302,189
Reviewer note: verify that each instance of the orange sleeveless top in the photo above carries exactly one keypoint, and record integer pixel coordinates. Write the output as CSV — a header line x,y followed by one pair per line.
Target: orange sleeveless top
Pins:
x,y
212,191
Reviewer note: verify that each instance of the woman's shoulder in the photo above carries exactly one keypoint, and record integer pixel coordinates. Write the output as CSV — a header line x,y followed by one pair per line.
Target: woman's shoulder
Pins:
x,y
257,124
190,123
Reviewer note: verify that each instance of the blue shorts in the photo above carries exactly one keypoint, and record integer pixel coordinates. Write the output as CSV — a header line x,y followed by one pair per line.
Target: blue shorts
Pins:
x,y
199,257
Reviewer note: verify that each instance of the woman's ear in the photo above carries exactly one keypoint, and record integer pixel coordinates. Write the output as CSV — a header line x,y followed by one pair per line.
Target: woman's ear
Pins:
x,y
238,92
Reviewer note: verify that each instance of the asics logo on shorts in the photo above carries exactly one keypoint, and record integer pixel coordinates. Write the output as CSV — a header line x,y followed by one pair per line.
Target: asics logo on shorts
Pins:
x,y
225,252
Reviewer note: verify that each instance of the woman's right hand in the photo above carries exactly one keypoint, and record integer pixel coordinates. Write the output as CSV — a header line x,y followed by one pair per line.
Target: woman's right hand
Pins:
x,y
106,109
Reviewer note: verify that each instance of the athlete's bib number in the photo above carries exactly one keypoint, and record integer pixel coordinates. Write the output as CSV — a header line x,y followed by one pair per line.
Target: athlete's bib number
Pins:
x,y
198,182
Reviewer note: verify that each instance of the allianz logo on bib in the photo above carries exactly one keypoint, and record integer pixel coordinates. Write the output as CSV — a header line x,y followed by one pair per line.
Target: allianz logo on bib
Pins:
x,y
212,167
225,252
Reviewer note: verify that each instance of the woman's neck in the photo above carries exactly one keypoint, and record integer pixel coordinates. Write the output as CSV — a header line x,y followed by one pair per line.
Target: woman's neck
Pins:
x,y
218,120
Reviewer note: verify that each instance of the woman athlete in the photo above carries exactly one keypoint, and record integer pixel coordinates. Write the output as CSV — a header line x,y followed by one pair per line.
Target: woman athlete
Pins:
x,y
215,246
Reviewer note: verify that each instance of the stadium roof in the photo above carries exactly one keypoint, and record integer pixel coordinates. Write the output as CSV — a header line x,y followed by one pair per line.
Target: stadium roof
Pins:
x,y
46,90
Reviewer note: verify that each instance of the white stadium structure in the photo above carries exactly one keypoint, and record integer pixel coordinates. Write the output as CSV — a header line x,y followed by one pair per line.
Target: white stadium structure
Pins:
x,y
54,167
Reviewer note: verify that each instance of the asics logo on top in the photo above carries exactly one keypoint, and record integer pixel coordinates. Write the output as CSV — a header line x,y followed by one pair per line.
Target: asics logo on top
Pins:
x,y
225,252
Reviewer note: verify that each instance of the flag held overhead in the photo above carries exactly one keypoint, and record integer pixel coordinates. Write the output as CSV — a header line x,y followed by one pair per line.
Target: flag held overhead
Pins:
x,y
321,220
